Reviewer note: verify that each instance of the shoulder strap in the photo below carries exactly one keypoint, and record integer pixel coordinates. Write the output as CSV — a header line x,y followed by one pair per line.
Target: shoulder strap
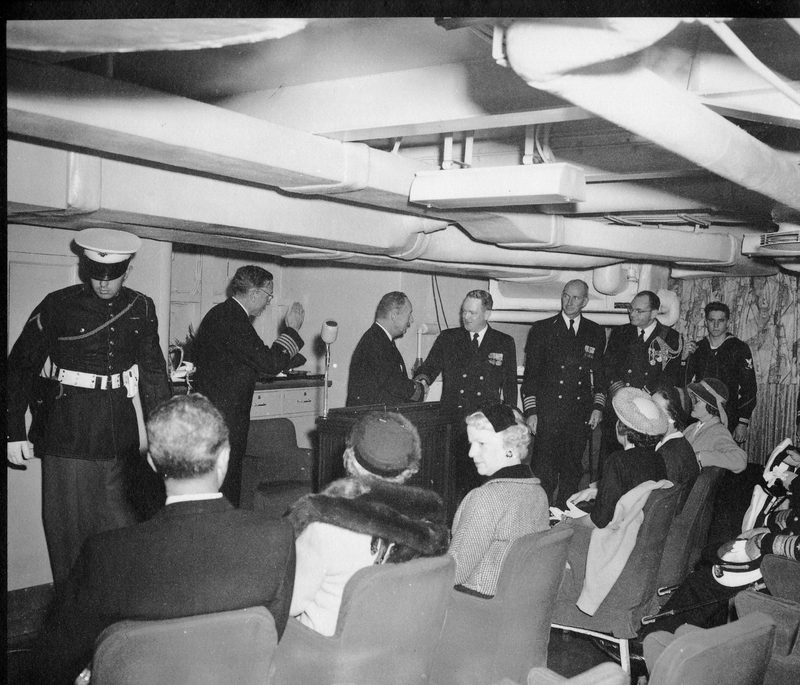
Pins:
x,y
102,326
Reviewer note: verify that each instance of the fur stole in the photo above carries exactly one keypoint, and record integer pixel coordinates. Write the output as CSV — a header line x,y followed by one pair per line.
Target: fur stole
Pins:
x,y
412,518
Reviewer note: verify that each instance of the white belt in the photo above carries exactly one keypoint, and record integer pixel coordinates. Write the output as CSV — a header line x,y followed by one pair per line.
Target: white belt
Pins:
x,y
79,379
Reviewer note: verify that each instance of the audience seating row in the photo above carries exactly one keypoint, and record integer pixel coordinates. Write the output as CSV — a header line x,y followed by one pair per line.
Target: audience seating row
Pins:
x,y
406,624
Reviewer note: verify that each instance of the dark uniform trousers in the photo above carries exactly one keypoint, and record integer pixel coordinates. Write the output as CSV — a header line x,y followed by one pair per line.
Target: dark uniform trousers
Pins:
x,y
562,384
630,362
470,379
93,477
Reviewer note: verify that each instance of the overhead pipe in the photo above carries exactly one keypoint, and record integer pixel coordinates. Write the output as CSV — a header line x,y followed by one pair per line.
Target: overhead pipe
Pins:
x,y
629,95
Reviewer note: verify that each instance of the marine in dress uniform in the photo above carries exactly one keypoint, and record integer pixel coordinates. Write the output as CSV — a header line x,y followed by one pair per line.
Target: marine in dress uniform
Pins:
x,y
378,372
562,391
101,340
478,366
637,355
230,356
725,357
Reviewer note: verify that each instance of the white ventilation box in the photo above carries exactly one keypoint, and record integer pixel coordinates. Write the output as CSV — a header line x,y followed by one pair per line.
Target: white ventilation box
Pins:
x,y
530,184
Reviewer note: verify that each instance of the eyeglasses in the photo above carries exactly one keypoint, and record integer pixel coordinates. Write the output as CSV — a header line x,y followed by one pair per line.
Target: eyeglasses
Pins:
x,y
270,296
638,311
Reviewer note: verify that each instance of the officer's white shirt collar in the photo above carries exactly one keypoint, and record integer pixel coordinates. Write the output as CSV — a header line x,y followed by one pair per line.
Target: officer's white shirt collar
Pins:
x,y
389,335
649,330
241,305
193,497
481,334
577,321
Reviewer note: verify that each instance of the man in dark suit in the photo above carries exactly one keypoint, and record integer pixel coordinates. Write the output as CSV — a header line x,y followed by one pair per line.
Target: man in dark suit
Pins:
x,y
197,555
562,391
478,366
638,354
230,356
377,370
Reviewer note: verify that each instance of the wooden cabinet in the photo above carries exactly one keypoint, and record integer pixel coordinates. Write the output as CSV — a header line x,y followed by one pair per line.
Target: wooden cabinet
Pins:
x,y
296,399
434,432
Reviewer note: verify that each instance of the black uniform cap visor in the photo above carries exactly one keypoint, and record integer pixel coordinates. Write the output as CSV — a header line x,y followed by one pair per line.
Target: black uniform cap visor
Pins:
x,y
100,271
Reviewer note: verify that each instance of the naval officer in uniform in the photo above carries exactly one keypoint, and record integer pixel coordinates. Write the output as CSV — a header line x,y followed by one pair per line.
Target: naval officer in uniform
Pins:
x,y
562,391
638,354
100,342
478,366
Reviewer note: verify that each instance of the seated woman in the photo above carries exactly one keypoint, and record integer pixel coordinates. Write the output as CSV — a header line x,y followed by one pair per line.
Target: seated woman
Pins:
x,y
676,451
512,503
709,436
369,517
640,427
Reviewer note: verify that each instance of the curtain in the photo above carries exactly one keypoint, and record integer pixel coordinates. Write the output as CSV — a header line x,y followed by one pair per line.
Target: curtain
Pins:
x,y
764,314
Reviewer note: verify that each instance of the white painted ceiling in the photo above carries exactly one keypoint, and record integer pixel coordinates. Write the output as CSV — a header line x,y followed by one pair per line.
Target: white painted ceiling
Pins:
x,y
404,84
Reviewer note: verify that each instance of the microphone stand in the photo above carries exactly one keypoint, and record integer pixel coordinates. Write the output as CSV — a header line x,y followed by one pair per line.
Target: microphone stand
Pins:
x,y
325,388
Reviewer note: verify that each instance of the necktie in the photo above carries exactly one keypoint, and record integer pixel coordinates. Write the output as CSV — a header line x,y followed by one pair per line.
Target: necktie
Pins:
x,y
641,336
475,343
572,327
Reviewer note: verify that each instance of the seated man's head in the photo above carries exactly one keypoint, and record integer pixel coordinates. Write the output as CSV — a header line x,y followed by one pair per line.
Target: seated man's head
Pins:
x,y
188,444
642,422
498,437
383,446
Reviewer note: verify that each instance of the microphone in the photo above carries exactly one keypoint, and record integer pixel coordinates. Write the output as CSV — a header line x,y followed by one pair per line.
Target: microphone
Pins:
x,y
330,329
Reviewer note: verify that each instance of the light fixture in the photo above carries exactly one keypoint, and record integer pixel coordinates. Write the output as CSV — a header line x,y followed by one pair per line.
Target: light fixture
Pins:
x,y
526,184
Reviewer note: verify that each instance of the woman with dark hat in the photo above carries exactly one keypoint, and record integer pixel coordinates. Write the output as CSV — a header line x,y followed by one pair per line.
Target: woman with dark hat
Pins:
x,y
676,451
369,517
709,436
512,503
640,426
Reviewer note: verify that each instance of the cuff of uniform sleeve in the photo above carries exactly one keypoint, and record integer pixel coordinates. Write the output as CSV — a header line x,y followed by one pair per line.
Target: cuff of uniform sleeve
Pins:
x,y
419,392
744,422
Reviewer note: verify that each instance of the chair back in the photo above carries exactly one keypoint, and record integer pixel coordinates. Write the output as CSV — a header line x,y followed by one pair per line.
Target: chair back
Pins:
x,y
629,599
225,647
735,654
485,640
689,530
274,466
388,627
781,576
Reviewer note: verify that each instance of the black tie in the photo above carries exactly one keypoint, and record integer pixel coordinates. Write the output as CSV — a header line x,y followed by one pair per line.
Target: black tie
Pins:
x,y
475,343
641,336
572,327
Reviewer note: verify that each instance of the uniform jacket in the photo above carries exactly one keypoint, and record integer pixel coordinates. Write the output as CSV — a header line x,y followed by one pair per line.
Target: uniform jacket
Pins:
x,y
631,363
469,379
87,423
345,528
732,363
511,504
191,558
563,371
378,373
714,445
230,356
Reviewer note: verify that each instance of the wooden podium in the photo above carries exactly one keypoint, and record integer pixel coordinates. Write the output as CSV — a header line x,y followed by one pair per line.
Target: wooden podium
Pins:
x,y
434,432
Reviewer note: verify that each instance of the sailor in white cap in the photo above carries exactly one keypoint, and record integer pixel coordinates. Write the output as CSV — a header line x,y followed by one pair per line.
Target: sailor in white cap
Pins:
x,y
81,358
